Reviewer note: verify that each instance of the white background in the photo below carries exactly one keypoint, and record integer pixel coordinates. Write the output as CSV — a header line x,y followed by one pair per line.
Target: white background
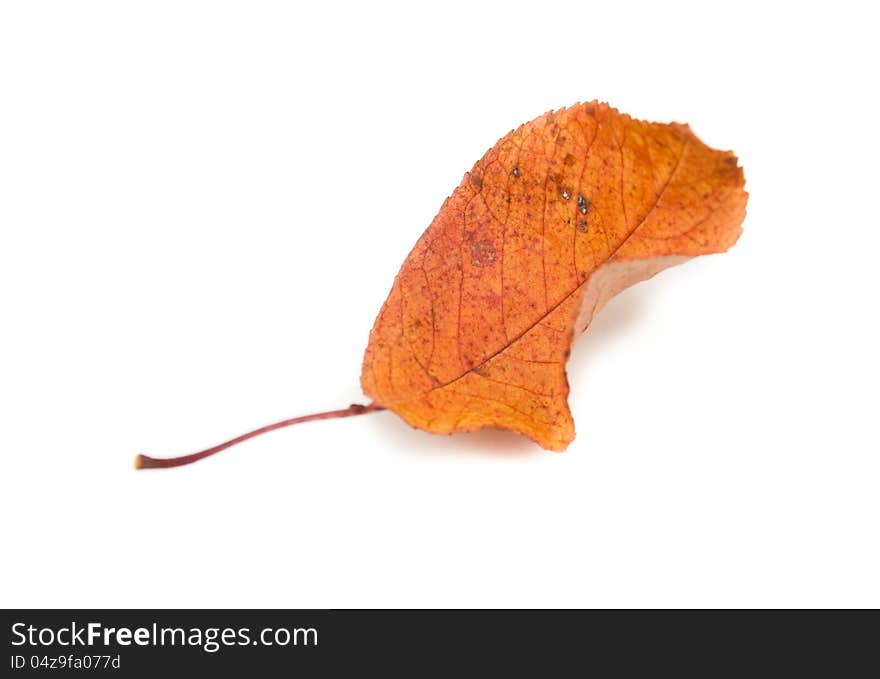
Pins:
x,y
203,206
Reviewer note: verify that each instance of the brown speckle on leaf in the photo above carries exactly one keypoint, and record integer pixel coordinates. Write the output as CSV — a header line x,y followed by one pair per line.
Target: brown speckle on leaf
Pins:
x,y
515,172
582,225
482,253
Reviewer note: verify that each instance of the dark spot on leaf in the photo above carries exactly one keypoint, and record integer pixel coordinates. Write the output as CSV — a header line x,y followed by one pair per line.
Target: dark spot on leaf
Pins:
x,y
515,172
561,140
590,109
582,225
476,180
569,159
583,204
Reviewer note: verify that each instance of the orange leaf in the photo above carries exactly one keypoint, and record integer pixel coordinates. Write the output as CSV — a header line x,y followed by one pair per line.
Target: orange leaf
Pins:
x,y
558,217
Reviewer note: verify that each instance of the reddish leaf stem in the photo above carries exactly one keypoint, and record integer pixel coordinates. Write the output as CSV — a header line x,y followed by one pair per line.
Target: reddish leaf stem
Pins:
x,y
147,462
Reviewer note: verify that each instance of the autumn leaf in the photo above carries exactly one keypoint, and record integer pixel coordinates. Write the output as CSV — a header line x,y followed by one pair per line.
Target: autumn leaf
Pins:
x,y
557,218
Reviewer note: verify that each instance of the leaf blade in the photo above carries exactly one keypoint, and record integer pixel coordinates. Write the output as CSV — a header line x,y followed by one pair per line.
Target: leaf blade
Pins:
x,y
558,216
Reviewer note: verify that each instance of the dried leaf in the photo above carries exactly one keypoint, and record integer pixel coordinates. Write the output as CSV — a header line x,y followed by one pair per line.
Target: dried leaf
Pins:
x,y
558,217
